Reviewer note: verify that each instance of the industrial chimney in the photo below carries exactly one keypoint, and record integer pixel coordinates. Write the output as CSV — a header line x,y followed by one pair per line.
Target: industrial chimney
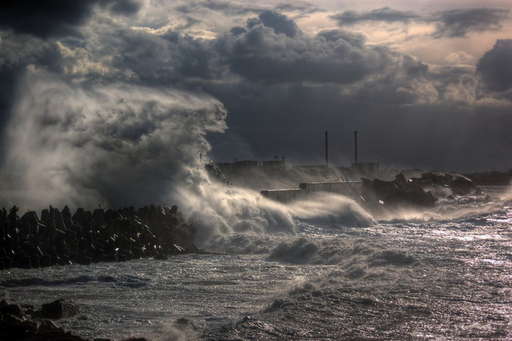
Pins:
x,y
326,148
355,147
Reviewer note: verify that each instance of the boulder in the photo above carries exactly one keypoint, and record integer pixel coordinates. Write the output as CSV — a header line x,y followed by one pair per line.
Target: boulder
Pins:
x,y
10,309
98,216
30,222
58,309
457,183
399,192
48,326
16,328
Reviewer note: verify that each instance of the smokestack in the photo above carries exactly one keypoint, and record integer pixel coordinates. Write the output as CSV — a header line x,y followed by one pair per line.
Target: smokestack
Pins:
x,y
355,147
326,148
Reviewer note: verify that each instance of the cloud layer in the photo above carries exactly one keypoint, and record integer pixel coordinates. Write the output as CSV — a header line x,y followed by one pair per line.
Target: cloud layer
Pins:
x,y
384,14
111,91
448,24
495,67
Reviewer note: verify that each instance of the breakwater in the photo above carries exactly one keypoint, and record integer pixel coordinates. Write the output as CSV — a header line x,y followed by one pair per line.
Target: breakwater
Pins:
x,y
54,236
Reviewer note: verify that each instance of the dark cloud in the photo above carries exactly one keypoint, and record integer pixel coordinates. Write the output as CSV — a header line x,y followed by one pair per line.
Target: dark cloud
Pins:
x,y
353,38
449,24
303,9
460,22
279,23
495,66
384,14
54,17
269,49
272,49
226,7
124,7
169,59
399,124
283,88
408,114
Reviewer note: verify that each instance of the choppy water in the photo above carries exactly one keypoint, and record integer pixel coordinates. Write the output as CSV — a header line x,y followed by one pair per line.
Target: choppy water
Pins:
x,y
399,279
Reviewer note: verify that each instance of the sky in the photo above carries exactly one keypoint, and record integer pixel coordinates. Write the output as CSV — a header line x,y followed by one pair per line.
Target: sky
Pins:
x,y
128,90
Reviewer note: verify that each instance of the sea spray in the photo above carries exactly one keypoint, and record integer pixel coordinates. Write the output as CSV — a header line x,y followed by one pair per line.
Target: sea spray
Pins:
x,y
221,211
81,144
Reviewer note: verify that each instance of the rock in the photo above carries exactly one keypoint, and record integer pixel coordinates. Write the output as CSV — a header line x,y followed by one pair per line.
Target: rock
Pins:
x,y
16,328
82,217
58,309
86,237
457,183
396,193
98,216
45,217
462,186
58,219
55,336
30,222
15,325
48,326
10,309
66,216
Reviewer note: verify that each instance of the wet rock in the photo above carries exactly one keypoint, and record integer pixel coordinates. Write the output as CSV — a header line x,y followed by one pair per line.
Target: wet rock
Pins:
x,y
55,336
17,325
30,222
98,216
10,309
82,217
66,217
48,326
457,183
58,309
16,328
45,217
85,237
396,193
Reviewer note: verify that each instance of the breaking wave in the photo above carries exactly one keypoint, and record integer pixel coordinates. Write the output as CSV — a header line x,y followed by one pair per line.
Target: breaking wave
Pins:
x,y
338,251
119,145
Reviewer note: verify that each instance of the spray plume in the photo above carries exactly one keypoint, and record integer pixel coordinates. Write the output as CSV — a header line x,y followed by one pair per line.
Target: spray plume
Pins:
x,y
118,145
113,144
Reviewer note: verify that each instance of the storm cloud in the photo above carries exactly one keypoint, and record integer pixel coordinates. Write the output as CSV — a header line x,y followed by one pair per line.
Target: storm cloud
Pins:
x,y
453,23
495,67
460,22
384,14
274,52
55,17
100,84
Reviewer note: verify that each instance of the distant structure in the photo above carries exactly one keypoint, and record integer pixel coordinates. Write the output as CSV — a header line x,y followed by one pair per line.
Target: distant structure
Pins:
x,y
364,167
252,164
327,148
355,147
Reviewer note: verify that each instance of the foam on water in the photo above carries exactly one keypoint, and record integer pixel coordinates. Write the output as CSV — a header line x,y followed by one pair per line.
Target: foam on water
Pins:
x,y
220,211
396,279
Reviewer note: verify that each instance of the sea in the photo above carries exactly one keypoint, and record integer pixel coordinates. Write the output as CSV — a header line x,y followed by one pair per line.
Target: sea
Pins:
x,y
442,275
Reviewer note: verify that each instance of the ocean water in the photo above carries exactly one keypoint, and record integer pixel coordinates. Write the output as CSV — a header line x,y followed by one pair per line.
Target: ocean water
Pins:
x,y
441,275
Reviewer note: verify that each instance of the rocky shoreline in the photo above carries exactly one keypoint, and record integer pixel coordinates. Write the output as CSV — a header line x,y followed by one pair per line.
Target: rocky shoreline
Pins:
x,y
24,323
58,237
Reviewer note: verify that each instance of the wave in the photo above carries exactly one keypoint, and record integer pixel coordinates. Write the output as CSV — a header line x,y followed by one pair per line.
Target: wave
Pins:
x,y
123,281
339,251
